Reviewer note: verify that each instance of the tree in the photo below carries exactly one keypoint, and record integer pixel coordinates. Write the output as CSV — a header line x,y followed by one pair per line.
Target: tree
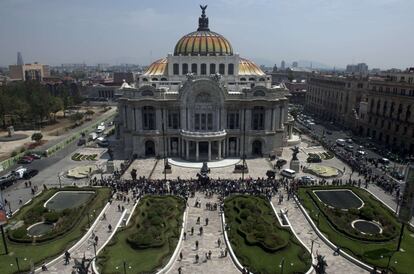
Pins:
x,y
37,137
56,105
76,118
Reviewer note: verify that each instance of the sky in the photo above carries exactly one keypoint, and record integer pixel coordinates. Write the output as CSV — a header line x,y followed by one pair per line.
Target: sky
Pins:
x,y
332,32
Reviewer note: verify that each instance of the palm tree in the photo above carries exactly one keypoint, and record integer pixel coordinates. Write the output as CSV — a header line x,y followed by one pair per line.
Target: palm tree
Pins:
x,y
321,265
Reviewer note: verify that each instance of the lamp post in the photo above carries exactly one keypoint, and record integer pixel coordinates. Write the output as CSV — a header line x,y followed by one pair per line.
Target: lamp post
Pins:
x,y
164,145
244,143
281,265
60,181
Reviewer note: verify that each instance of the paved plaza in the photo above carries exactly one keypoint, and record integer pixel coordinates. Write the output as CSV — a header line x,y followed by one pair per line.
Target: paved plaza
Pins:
x,y
208,241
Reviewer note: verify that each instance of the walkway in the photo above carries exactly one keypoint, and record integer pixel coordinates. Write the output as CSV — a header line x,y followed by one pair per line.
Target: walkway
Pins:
x,y
336,264
208,241
85,248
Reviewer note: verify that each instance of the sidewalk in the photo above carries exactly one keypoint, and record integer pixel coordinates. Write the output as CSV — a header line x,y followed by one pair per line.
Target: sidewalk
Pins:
x,y
207,242
336,264
86,249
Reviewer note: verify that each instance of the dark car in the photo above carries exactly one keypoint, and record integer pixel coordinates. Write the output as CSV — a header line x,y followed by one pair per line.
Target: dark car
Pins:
x,y
280,162
398,175
25,160
30,173
7,180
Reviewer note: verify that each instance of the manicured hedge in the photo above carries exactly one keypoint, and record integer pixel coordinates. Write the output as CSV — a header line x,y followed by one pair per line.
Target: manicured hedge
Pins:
x,y
258,240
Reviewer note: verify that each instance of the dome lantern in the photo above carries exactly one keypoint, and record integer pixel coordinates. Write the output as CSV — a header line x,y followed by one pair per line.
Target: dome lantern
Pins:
x,y
203,41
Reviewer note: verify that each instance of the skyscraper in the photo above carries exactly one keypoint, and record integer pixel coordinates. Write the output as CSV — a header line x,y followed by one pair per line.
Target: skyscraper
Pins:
x,y
282,65
19,59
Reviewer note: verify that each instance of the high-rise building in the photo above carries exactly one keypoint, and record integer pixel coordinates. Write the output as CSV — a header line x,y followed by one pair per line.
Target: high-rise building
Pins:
x,y
19,59
29,72
360,68
282,65
295,64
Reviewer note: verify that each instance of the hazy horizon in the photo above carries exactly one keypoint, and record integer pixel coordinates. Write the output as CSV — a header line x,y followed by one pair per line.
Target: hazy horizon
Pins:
x,y
331,32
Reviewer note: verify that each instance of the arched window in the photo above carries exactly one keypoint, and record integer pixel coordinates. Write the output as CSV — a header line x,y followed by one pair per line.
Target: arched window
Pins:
x,y
163,79
262,79
372,105
230,70
147,93
258,117
212,68
154,79
221,69
378,106
384,108
144,79
259,93
148,118
203,69
185,69
251,79
194,68
243,79
392,108
176,69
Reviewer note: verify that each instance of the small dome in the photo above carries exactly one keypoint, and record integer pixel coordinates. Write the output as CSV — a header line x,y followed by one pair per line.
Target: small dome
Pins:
x,y
203,43
158,67
247,67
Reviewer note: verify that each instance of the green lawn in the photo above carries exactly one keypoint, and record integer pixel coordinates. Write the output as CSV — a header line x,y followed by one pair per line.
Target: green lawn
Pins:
x,y
258,240
149,239
372,251
40,252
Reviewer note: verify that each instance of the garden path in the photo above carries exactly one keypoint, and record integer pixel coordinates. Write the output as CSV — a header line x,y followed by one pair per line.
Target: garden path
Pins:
x,y
336,264
208,241
85,248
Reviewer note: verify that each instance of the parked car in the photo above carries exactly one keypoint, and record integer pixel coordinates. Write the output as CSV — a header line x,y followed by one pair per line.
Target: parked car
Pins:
x,y
384,161
25,160
361,153
349,141
7,180
398,175
329,132
349,148
34,156
313,158
340,142
280,162
307,180
30,173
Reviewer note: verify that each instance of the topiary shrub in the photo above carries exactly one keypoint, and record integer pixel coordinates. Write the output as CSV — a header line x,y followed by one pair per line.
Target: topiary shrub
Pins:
x,y
51,217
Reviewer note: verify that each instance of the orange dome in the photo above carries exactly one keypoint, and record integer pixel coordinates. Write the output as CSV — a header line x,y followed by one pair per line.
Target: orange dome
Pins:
x,y
203,43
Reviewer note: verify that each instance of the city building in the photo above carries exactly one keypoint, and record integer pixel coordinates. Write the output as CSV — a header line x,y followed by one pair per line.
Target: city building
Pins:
x,y
295,64
282,65
25,72
19,59
120,77
203,102
360,68
386,113
335,98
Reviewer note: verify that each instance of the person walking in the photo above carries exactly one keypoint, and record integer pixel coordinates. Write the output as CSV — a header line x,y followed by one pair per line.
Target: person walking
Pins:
x,y
181,256
196,244
206,221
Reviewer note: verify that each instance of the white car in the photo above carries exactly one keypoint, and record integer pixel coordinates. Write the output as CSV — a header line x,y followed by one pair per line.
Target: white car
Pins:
x,y
19,172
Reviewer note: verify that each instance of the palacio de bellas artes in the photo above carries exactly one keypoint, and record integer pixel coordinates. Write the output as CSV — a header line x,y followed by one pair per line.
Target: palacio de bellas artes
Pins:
x,y
205,102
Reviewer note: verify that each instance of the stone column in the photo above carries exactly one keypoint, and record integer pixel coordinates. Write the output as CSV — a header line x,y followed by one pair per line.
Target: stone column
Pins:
x,y
187,152
209,151
197,153
219,149
281,117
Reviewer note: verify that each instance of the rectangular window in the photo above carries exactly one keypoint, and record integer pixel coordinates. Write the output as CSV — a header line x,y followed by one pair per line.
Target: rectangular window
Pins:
x,y
203,121
197,122
210,121
233,120
174,119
